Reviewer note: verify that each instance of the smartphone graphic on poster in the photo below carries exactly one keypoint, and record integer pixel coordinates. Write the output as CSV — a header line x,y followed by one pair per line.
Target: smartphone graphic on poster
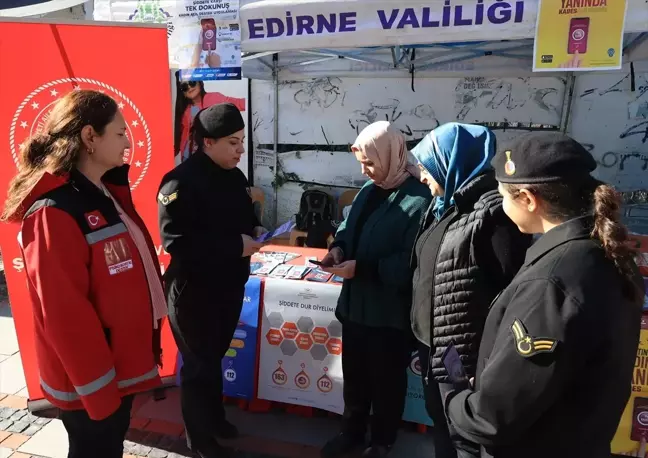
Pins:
x,y
578,35
208,34
639,429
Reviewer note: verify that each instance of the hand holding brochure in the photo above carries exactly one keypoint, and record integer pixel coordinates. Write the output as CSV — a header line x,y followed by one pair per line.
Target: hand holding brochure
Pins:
x,y
283,229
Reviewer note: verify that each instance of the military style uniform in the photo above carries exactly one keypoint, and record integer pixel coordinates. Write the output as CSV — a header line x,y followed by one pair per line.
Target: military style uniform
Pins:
x,y
203,210
559,345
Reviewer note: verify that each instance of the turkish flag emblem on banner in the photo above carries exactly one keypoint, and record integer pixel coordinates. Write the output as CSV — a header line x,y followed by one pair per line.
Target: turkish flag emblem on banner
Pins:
x,y
42,62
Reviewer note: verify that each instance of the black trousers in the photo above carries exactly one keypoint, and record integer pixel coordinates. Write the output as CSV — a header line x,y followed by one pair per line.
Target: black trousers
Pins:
x,y
97,439
203,328
374,362
447,442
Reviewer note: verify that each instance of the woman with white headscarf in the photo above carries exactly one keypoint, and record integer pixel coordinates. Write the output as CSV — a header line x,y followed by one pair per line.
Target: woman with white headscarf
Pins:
x,y
372,252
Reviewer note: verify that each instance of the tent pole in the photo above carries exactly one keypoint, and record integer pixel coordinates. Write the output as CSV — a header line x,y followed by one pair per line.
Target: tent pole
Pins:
x,y
275,79
567,102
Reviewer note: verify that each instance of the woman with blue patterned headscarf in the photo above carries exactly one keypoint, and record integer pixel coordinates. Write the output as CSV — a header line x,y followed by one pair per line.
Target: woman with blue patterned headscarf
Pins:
x,y
466,252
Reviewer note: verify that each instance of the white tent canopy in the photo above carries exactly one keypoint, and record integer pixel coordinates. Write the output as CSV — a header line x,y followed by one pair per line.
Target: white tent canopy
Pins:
x,y
391,38
307,24
22,8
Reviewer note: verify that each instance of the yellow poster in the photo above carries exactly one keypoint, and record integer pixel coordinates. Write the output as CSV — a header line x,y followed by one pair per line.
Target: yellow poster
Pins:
x,y
579,35
632,433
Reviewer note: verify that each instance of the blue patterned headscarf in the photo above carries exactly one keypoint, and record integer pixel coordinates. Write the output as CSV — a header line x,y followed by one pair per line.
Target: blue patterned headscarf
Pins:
x,y
454,154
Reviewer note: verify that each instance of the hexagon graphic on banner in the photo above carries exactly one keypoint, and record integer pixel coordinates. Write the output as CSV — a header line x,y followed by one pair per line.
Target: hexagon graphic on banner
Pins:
x,y
289,330
288,347
320,335
304,341
274,337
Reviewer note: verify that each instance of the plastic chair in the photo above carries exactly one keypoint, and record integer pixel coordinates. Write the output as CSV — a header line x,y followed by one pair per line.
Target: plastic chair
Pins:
x,y
346,199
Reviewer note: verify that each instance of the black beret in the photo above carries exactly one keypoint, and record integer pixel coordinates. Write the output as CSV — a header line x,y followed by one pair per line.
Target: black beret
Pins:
x,y
218,121
542,157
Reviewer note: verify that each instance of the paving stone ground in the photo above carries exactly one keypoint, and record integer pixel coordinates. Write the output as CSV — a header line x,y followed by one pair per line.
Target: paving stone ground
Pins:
x,y
156,427
23,435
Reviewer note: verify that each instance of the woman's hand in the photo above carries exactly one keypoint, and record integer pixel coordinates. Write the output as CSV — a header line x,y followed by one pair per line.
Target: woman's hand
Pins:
x,y
345,270
250,246
213,60
333,257
259,231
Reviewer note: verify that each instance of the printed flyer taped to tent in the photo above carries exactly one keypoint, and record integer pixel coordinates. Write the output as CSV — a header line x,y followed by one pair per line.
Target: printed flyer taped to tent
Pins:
x,y
204,35
632,433
206,40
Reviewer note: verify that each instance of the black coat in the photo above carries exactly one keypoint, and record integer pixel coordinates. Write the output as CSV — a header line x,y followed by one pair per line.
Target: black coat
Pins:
x,y
462,262
557,355
203,210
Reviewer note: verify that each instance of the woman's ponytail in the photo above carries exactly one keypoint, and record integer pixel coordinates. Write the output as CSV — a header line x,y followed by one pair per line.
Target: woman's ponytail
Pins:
x,y
32,164
566,200
612,234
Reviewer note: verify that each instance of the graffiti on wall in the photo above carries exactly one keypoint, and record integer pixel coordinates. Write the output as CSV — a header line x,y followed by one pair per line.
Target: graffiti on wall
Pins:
x,y
509,94
321,117
392,111
611,116
318,92
640,129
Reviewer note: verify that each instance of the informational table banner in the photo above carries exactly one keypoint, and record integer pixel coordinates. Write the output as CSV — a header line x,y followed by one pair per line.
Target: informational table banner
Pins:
x,y
415,411
579,35
301,345
204,35
239,363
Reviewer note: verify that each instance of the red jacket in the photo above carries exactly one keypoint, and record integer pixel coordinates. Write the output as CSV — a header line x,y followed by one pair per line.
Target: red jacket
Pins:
x,y
95,338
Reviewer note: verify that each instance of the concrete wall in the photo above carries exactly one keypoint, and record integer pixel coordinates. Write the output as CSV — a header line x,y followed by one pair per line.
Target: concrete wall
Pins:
x,y
610,116
320,118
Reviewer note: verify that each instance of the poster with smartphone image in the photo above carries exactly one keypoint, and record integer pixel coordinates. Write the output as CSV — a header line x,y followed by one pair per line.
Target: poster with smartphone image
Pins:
x,y
632,433
577,35
206,40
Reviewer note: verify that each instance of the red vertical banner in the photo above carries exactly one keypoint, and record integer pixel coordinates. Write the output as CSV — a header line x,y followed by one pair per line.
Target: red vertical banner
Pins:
x,y
40,63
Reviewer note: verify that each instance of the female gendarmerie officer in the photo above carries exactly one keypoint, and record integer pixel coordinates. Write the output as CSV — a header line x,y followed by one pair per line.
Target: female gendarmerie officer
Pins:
x,y
207,223
559,345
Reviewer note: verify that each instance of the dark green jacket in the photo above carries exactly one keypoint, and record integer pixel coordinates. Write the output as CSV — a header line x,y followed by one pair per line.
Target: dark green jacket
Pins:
x,y
380,294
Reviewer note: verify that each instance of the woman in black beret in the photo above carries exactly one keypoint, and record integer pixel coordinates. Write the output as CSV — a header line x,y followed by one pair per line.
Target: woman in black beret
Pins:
x,y
558,350
208,225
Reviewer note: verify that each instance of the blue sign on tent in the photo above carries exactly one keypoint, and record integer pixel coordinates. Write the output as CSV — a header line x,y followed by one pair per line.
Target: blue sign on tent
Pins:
x,y
239,363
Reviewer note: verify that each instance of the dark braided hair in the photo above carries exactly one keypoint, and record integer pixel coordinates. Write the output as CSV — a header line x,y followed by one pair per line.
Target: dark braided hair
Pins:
x,y
566,201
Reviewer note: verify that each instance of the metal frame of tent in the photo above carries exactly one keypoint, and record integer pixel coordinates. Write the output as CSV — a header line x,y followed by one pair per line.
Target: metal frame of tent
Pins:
x,y
416,58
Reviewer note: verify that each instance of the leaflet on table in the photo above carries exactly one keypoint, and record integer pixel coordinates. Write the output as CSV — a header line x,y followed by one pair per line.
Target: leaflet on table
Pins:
x,y
283,229
206,41
318,275
279,256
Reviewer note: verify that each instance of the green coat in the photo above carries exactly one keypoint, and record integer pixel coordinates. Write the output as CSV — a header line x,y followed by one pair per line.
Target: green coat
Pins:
x,y
380,294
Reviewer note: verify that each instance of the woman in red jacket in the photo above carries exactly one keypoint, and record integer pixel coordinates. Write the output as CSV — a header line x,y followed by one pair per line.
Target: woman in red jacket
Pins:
x,y
92,273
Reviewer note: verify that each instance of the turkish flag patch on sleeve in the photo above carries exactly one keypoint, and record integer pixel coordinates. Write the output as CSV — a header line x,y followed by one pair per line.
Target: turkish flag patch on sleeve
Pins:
x,y
95,219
